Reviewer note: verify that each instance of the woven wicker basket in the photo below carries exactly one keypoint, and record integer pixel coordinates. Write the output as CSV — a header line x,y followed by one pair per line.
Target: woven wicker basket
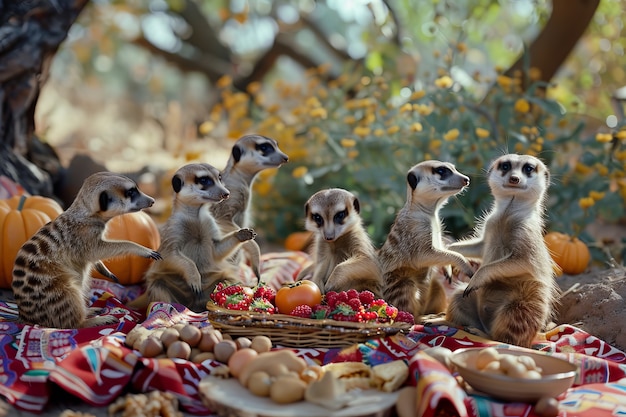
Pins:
x,y
298,332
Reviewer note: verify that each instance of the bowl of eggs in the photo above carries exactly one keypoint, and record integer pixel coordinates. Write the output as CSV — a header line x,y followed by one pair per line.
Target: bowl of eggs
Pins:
x,y
512,374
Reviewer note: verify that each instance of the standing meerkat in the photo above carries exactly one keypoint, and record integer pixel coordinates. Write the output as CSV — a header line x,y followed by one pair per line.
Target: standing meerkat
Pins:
x,y
250,155
512,294
414,244
192,245
52,272
343,254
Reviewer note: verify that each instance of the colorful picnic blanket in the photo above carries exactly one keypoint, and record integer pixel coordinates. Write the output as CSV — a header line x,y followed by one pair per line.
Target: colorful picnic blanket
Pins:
x,y
95,365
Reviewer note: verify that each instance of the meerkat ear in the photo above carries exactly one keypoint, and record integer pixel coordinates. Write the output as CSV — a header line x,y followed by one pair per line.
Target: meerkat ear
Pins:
x,y
306,210
177,183
357,205
104,201
237,153
413,180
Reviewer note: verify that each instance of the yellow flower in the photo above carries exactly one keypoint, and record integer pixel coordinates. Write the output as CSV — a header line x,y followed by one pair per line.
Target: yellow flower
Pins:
x,y
596,195
604,137
379,132
582,168
444,82
522,106
318,112
362,131
406,108
461,47
393,129
323,68
602,169
534,73
417,95
586,202
451,134
206,127
416,127
299,172
504,81
423,109
253,87
435,144
352,154
348,143
312,102
482,133
621,135
224,81
262,188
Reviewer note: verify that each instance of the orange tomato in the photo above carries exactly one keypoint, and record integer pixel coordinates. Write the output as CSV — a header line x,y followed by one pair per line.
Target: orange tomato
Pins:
x,y
299,293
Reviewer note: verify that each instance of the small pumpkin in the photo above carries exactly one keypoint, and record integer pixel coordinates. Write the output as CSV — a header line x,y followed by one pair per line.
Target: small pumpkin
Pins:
x,y
568,252
21,216
298,241
137,227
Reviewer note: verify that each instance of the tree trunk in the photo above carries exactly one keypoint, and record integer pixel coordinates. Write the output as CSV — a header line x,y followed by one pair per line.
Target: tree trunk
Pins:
x,y
30,34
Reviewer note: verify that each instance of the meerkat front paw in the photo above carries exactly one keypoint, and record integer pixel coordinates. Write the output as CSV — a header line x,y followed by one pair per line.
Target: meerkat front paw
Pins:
x,y
245,234
100,321
152,254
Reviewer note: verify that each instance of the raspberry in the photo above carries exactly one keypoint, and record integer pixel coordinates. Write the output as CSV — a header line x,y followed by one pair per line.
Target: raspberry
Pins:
x,y
366,297
330,297
302,310
352,294
321,311
405,317
355,304
346,317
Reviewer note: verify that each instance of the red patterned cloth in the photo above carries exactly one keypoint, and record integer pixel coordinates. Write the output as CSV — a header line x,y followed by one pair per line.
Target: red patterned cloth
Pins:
x,y
95,365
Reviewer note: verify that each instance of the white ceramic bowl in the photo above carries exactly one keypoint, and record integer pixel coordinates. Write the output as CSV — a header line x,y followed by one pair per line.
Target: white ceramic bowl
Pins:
x,y
557,376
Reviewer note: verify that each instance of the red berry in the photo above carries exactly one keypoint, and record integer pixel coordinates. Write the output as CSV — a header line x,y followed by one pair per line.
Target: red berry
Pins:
x,y
321,311
352,293
366,297
405,317
354,303
302,311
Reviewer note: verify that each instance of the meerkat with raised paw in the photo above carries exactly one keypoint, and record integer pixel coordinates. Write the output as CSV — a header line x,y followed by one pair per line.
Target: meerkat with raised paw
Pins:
x,y
414,245
250,155
512,295
52,272
344,256
193,247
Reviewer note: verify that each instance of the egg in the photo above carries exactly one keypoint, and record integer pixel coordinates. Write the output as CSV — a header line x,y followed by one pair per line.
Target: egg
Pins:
x,y
261,343
486,356
239,359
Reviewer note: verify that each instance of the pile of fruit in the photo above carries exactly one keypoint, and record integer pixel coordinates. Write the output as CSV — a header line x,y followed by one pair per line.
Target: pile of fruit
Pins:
x,y
304,299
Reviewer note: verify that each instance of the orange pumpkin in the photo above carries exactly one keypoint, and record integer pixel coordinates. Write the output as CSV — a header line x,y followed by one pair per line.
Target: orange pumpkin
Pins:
x,y
298,241
570,253
137,227
21,216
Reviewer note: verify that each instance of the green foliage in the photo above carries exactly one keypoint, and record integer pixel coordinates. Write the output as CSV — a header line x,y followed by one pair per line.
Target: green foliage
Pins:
x,y
363,133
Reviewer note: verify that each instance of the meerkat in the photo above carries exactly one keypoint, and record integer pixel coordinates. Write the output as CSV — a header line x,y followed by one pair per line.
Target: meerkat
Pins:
x,y
51,276
414,245
344,256
250,155
193,248
511,296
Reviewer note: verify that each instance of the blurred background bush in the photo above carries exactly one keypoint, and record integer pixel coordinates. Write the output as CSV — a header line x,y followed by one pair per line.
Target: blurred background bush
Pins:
x,y
356,92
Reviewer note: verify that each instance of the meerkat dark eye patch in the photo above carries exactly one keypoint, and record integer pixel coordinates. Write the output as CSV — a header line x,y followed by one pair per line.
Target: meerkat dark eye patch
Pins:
x,y
528,169
237,152
177,183
339,217
319,221
205,182
132,193
103,200
442,171
265,148
504,166
413,180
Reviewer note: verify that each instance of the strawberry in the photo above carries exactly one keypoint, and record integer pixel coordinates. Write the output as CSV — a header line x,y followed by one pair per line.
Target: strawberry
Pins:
x,y
239,301
262,305
303,310
265,292
344,312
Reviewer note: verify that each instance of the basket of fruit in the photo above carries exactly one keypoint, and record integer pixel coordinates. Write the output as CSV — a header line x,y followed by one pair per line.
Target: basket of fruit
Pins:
x,y
297,315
